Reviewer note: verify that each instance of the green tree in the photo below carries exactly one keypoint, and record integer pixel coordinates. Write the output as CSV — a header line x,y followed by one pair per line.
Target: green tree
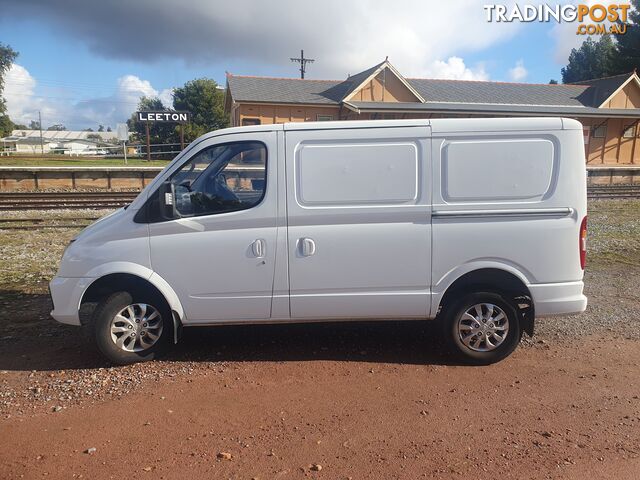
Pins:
x,y
6,125
158,132
34,125
7,56
205,101
101,128
591,60
58,127
553,82
628,45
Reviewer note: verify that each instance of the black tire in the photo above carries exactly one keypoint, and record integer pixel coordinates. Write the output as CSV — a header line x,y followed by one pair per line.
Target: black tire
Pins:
x,y
453,337
105,312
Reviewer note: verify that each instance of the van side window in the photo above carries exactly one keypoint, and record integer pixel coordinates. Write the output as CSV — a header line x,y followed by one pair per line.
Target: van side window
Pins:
x,y
221,178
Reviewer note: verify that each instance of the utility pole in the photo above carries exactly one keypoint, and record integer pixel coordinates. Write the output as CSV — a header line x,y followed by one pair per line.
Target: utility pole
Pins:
x,y
303,63
148,141
41,141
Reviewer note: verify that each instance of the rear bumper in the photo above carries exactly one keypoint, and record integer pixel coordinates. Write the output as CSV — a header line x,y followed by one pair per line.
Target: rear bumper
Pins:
x,y
66,294
558,298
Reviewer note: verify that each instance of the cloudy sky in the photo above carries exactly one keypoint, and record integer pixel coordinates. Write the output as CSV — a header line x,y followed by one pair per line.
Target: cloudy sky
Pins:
x,y
84,63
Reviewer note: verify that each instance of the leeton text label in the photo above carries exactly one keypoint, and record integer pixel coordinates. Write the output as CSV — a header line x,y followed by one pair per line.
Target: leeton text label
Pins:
x,y
164,116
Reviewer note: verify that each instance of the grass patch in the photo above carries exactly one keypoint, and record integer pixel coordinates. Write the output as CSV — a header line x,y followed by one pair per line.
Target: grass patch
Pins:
x,y
78,162
614,232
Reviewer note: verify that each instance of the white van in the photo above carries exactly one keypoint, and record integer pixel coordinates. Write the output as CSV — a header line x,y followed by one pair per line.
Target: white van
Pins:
x,y
479,223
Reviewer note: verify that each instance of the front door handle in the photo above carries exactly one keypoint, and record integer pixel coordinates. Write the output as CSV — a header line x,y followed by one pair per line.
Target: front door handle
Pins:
x,y
307,246
259,248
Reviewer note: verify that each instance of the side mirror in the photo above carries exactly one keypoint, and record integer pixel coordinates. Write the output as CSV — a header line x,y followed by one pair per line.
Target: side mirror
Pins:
x,y
167,201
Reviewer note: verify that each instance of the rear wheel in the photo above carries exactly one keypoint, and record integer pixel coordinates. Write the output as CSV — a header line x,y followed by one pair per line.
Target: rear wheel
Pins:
x,y
482,328
128,329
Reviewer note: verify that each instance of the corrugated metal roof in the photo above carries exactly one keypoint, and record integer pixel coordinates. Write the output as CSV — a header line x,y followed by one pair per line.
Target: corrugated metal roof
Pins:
x,y
63,134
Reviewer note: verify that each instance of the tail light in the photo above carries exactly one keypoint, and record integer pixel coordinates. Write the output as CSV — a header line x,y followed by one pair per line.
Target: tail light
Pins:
x,y
582,241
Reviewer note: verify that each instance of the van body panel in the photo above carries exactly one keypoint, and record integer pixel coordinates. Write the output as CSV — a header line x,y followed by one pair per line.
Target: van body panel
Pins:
x,y
363,219
280,300
558,298
534,231
479,125
69,292
209,260
359,233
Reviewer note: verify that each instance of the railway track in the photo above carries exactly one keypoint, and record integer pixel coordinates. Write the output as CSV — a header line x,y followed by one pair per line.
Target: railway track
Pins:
x,y
104,200
613,191
39,223
64,200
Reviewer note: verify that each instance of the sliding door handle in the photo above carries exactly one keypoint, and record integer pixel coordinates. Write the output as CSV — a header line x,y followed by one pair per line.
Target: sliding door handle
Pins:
x,y
307,246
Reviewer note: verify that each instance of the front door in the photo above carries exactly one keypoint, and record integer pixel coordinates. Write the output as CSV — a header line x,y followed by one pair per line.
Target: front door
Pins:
x,y
219,256
359,222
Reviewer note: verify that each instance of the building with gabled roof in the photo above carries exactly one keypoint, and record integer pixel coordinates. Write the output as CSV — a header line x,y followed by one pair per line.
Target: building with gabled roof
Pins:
x,y
609,108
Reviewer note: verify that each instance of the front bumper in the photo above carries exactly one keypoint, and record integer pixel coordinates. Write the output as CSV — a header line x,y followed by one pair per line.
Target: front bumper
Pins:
x,y
558,298
66,294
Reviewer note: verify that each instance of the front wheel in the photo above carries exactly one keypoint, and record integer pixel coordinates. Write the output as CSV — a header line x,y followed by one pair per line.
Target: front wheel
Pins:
x,y
482,327
128,330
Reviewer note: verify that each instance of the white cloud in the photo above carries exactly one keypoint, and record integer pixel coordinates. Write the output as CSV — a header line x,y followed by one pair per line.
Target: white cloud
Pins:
x,y
22,103
166,96
257,36
25,99
518,73
455,69
565,34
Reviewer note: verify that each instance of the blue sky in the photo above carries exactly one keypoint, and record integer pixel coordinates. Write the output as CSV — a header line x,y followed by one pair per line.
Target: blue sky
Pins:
x,y
81,73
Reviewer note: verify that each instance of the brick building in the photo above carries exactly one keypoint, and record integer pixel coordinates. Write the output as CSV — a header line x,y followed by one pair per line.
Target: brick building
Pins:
x,y
609,108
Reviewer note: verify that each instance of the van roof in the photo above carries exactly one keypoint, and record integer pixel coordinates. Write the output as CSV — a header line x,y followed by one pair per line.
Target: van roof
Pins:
x,y
438,125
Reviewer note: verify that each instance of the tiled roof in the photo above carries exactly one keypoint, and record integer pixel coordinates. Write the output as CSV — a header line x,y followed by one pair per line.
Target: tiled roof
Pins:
x,y
286,90
576,98
464,91
600,89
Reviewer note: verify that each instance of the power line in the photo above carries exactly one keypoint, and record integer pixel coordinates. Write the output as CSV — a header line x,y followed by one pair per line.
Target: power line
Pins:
x,y
303,63
77,99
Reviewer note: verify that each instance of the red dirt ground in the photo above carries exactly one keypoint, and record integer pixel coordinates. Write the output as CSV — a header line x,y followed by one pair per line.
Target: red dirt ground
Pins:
x,y
386,410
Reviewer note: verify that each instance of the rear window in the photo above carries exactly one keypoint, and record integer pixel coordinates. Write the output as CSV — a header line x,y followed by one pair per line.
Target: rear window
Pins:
x,y
357,174
497,170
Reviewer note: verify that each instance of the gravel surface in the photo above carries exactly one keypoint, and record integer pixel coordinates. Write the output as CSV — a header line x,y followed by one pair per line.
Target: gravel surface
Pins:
x,y
28,259
49,375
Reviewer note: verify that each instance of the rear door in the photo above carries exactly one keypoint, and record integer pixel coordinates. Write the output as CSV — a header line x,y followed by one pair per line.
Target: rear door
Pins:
x,y
359,222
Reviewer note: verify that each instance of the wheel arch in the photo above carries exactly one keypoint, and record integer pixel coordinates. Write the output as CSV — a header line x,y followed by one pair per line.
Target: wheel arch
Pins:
x,y
135,282
495,280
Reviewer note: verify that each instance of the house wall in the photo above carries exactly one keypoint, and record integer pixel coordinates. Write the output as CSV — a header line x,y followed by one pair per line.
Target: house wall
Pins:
x,y
373,90
32,148
613,150
628,97
281,113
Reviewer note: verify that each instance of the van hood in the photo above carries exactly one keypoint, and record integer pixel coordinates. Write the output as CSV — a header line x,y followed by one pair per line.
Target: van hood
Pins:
x,y
102,221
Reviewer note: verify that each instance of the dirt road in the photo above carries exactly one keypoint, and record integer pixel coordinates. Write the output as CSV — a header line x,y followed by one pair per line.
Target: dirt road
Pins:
x,y
377,401
334,401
